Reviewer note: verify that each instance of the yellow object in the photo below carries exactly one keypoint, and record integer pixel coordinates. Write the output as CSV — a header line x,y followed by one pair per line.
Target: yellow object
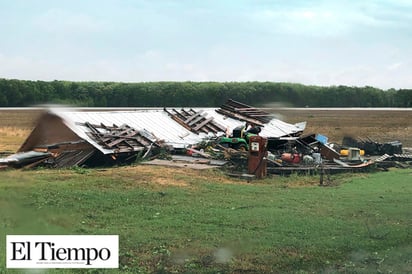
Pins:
x,y
345,152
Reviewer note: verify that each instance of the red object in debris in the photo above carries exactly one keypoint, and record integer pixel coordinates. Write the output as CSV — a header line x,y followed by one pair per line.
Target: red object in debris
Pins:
x,y
296,158
291,158
257,163
287,157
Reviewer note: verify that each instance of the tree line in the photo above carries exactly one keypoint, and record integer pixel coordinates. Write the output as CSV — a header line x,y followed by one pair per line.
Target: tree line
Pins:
x,y
22,93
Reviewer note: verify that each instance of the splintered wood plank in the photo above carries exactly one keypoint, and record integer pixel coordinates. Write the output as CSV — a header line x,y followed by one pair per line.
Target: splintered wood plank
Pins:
x,y
187,113
187,121
181,122
203,123
141,140
115,142
179,115
177,119
107,139
198,119
210,127
103,126
239,117
112,135
132,144
219,127
91,127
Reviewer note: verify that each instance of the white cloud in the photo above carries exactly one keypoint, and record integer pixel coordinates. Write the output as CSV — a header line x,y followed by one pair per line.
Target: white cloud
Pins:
x,y
310,42
391,76
321,19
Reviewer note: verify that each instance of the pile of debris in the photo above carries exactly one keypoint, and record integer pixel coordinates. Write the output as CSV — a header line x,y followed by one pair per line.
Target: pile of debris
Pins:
x,y
312,153
75,138
307,154
66,138
126,142
372,147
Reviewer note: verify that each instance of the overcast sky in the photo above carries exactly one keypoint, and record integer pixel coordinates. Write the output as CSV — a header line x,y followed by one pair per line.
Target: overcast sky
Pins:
x,y
355,43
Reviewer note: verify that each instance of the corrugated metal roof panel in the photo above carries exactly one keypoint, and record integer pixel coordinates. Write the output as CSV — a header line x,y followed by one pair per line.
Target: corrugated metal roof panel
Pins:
x,y
155,121
275,128
160,124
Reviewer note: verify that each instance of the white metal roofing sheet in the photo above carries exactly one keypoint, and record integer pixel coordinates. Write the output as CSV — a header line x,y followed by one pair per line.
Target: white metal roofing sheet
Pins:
x,y
275,128
156,122
160,124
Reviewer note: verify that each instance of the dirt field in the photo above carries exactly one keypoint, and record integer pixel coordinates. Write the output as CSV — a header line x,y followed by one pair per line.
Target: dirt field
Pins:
x,y
377,124
15,126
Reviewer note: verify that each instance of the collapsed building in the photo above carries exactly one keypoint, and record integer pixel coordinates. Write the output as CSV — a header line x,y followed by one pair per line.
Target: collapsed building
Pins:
x,y
72,137
65,137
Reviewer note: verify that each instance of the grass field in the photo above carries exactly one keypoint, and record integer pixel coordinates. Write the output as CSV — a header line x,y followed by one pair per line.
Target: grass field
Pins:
x,y
185,221
177,220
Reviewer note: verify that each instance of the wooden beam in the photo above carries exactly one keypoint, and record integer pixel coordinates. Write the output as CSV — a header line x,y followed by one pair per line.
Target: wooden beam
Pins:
x,y
177,119
115,142
239,117
193,117
203,123
193,122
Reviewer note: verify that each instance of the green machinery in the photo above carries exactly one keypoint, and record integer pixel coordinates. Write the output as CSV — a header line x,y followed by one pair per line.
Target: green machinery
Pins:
x,y
240,138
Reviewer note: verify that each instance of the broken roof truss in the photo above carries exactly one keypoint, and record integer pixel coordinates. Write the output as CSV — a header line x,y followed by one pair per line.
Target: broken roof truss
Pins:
x,y
121,138
195,121
245,113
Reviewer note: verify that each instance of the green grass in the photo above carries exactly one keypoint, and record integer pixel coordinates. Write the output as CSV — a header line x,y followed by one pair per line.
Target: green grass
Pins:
x,y
209,223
